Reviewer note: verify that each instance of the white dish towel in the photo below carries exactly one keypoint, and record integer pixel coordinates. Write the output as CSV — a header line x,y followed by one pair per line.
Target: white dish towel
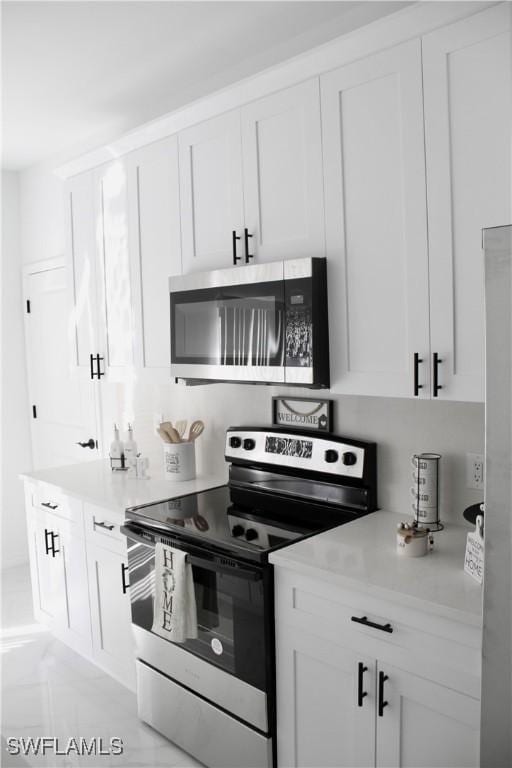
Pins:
x,y
175,613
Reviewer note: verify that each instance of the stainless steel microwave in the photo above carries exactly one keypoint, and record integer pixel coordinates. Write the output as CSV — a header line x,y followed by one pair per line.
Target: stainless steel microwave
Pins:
x,y
261,323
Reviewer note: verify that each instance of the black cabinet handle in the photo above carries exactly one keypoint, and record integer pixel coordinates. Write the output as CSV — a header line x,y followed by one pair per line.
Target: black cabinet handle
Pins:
x,y
91,363
381,702
124,583
98,373
417,385
235,257
46,543
246,240
107,526
49,505
435,373
54,536
361,669
367,623
91,443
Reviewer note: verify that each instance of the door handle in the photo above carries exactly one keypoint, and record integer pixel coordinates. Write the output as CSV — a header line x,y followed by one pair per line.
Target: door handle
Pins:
x,y
246,241
235,257
361,669
124,583
54,536
435,374
91,443
382,679
417,385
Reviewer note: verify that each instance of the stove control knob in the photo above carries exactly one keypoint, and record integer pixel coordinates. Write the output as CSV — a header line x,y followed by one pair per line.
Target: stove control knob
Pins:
x,y
237,530
235,442
249,444
331,456
251,534
349,458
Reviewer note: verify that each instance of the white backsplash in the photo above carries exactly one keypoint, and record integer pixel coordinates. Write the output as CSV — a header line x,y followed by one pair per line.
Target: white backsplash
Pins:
x,y
400,427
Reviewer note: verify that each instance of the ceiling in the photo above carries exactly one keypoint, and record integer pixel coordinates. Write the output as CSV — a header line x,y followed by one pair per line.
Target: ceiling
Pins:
x,y
76,75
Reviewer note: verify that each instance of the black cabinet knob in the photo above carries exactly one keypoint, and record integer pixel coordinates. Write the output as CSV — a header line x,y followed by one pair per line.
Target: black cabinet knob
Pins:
x,y
349,458
331,456
249,444
251,534
235,442
237,530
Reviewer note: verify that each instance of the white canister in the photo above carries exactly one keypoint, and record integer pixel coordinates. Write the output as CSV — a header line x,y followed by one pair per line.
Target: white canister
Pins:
x,y
412,541
180,461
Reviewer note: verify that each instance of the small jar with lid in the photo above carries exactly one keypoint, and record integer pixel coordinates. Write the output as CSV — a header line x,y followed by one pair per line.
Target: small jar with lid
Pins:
x,y
412,541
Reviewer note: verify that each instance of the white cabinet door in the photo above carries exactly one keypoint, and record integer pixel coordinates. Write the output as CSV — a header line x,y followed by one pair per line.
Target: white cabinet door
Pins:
x,y
49,596
75,622
210,160
114,283
319,721
467,84
113,647
374,171
425,724
282,167
155,239
81,248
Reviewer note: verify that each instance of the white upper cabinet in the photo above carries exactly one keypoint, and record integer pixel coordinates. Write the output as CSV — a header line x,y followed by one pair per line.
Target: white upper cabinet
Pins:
x,y
82,259
211,192
282,168
114,284
155,249
467,86
376,229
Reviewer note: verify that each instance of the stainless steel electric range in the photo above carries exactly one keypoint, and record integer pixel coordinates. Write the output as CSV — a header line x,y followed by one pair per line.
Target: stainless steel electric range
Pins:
x,y
214,696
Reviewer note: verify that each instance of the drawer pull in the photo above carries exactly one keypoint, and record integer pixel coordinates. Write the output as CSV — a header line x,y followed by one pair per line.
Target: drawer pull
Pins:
x,y
382,703
49,505
367,623
360,693
124,583
107,526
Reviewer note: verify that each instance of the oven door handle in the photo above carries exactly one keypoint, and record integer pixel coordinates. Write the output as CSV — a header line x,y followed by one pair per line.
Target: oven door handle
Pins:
x,y
238,571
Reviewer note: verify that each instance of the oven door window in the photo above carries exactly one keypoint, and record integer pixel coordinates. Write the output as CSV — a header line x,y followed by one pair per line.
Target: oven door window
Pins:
x,y
230,613
233,325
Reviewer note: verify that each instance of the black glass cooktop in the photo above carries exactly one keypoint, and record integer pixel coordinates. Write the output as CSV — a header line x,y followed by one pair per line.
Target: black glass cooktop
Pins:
x,y
215,519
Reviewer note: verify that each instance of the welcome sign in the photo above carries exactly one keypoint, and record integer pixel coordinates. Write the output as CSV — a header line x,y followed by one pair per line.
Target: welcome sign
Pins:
x,y
302,413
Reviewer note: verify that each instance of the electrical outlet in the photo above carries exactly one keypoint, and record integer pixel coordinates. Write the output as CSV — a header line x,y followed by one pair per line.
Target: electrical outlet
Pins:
x,y
475,471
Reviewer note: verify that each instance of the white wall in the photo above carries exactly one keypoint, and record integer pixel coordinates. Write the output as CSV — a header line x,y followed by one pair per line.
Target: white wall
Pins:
x,y
16,453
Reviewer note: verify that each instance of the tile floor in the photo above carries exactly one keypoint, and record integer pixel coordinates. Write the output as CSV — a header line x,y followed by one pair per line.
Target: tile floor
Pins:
x,y
49,690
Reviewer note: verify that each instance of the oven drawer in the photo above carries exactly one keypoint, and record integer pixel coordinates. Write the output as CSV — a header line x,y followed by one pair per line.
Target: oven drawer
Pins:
x,y
209,734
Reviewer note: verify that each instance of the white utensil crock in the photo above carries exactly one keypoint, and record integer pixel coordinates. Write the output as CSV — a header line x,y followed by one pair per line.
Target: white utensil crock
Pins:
x,y
180,461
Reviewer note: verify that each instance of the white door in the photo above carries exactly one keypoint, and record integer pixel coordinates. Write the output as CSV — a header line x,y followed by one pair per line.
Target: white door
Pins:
x,y
282,168
211,194
322,721
63,406
425,724
113,646
153,188
81,249
376,237
467,82
115,317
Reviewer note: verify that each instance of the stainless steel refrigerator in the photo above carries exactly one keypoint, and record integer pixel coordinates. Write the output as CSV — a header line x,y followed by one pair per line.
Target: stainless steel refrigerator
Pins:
x,y
496,719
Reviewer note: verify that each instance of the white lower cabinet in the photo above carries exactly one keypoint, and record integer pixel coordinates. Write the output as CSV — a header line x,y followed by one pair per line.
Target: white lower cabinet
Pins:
x,y
112,638
344,701
79,574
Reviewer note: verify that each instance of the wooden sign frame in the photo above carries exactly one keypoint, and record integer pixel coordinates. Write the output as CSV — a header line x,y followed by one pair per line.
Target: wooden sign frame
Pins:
x,y
302,413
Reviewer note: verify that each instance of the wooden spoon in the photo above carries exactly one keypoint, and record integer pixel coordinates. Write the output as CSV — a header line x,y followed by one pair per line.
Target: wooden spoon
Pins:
x,y
170,431
163,434
196,429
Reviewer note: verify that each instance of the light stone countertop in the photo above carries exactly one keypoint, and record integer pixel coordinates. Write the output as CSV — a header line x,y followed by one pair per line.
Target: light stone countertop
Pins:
x,y
361,555
94,482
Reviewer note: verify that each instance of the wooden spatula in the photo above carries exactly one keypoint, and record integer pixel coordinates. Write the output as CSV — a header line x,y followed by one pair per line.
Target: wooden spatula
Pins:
x,y
196,429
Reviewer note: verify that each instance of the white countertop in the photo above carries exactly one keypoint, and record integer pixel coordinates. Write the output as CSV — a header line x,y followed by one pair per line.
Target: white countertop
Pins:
x,y
95,482
362,555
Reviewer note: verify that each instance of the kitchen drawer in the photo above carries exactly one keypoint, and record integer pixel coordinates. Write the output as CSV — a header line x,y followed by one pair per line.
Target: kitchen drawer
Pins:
x,y
103,527
423,643
51,499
